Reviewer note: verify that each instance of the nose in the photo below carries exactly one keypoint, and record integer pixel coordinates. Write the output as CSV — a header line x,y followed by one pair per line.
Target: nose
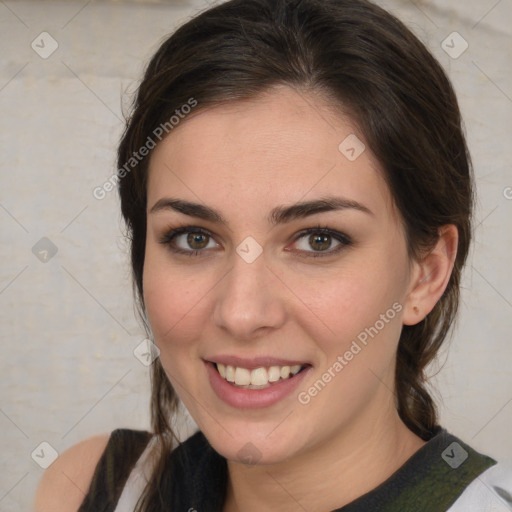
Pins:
x,y
250,300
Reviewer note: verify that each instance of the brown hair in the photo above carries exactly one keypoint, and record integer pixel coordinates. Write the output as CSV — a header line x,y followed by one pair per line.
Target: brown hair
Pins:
x,y
371,67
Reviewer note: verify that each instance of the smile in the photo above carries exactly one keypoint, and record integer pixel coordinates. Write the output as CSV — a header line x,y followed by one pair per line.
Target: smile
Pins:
x,y
258,378
265,383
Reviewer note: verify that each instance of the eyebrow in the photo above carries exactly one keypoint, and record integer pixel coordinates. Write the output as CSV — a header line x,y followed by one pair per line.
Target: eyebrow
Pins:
x,y
278,215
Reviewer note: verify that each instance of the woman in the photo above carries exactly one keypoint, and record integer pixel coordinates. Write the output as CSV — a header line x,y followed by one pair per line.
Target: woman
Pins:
x,y
298,195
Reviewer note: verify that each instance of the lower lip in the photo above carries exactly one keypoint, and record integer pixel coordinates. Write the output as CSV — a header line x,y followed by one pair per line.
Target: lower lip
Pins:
x,y
252,398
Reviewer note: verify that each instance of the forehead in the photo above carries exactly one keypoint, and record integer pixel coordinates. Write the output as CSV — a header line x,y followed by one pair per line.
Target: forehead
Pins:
x,y
280,147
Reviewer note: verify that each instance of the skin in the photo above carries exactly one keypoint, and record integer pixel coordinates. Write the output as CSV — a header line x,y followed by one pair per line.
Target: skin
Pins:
x,y
243,159
64,484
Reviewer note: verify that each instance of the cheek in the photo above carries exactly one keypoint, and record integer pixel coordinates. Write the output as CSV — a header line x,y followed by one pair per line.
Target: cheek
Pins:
x,y
173,299
343,303
362,310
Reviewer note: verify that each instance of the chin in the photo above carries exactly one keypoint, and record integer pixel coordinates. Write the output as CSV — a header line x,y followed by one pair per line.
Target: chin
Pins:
x,y
255,442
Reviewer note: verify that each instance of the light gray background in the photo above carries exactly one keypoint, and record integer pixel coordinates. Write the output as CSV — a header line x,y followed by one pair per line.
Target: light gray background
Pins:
x,y
67,326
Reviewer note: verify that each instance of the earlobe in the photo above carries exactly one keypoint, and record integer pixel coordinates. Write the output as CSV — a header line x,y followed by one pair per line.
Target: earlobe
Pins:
x,y
431,276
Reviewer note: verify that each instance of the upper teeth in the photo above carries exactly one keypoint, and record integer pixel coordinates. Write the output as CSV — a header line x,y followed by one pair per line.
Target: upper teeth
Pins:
x,y
258,376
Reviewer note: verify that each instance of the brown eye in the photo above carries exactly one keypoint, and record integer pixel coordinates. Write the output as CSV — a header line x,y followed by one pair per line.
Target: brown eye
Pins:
x,y
197,240
321,242
188,240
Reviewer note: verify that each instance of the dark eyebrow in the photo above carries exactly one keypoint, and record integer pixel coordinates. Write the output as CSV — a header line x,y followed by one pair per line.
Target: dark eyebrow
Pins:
x,y
278,215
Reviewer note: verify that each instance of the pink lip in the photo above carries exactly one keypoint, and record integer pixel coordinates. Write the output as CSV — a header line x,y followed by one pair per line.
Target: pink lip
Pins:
x,y
252,398
256,362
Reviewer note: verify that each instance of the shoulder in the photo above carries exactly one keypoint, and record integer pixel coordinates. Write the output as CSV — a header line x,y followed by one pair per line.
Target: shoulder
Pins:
x,y
65,483
90,475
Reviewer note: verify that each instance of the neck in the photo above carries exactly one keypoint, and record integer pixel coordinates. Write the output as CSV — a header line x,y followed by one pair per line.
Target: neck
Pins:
x,y
327,476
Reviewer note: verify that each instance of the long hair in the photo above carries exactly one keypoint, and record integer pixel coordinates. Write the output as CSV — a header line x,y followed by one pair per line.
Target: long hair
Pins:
x,y
372,68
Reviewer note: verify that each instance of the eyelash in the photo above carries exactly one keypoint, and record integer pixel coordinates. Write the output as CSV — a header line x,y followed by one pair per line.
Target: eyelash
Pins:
x,y
345,241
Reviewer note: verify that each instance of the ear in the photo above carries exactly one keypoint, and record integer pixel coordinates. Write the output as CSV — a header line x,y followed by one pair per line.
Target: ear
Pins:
x,y
430,276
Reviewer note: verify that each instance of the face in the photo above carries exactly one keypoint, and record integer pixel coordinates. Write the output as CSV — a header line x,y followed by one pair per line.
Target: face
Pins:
x,y
301,306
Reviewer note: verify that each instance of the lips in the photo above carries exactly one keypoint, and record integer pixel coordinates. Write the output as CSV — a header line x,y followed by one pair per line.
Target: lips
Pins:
x,y
255,362
254,383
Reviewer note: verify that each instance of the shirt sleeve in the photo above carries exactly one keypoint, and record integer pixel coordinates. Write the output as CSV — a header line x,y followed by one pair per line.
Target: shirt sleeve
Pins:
x,y
492,490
